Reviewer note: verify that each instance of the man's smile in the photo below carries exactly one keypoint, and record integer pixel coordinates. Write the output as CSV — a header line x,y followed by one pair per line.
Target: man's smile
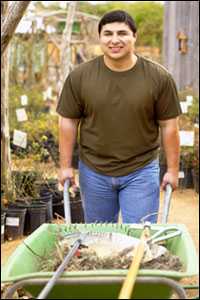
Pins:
x,y
115,49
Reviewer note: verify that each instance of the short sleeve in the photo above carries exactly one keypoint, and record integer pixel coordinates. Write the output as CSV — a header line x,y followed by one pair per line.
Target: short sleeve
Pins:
x,y
167,105
69,103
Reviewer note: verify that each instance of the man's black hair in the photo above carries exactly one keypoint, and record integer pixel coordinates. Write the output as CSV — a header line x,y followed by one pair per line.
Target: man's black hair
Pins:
x,y
120,16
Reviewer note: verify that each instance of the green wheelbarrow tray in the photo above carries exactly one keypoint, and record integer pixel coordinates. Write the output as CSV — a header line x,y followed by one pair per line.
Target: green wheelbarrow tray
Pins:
x,y
22,268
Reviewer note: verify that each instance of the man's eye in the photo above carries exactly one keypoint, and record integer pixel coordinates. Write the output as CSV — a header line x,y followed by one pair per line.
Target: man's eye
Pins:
x,y
107,33
122,33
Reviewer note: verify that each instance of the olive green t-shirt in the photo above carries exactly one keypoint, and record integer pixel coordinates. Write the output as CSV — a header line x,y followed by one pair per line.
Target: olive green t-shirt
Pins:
x,y
119,113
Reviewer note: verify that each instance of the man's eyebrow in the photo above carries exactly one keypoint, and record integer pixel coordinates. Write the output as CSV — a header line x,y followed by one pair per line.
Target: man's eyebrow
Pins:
x,y
119,31
110,31
123,31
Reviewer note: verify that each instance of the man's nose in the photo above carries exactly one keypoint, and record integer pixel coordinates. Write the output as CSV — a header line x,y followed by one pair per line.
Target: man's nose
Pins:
x,y
115,39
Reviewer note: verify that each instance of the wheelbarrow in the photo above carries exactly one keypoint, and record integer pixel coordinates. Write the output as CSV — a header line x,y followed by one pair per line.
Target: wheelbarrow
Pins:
x,y
22,269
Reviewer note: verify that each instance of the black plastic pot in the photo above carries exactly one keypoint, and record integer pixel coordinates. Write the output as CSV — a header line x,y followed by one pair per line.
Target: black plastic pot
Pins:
x,y
14,224
36,213
22,204
47,197
50,186
3,215
58,208
76,209
77,215
187,181
195,174
57,196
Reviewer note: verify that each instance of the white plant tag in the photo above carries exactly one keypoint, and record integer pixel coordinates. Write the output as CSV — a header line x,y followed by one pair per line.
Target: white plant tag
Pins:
x,y
184,107
189,99
24,100
44,95
12,221
181,174
186,138
49,92
20,138
21,115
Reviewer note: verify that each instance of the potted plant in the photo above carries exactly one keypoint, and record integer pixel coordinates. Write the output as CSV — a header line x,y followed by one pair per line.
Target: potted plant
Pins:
x,y
26,211
195,171
186,165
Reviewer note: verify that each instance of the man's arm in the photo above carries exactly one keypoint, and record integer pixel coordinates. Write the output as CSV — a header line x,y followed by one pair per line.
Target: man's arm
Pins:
x,y
67,138
171,144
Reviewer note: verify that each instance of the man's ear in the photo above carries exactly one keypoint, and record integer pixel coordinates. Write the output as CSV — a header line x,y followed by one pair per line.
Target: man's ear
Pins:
x,y
135,36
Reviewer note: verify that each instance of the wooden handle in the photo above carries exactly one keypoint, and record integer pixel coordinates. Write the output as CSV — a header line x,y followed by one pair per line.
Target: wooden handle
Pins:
x,y
138,252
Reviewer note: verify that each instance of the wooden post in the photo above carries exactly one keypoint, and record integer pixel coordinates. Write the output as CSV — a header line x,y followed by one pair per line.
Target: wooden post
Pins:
x,y
5,137
46,60
66,41
29,63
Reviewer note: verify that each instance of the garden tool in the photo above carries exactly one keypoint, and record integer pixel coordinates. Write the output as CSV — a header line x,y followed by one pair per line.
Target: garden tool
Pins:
x,y
50,284
107,244
128,284
146,250
139,252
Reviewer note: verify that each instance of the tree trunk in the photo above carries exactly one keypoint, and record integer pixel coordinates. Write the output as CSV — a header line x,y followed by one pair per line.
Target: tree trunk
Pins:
x,y
12,18
5,137
66,40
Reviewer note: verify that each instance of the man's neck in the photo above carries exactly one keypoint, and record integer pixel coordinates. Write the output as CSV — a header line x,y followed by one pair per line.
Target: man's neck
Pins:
x,y
120,65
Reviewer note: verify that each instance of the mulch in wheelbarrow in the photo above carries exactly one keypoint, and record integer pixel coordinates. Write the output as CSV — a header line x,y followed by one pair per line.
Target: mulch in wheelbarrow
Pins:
x,y
87,259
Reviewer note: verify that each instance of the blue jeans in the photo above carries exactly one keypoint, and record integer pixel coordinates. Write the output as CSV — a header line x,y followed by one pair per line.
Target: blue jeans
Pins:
x,y
136,195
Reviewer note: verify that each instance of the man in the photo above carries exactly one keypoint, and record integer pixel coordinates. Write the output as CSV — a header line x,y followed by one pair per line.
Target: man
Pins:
x,y
119,101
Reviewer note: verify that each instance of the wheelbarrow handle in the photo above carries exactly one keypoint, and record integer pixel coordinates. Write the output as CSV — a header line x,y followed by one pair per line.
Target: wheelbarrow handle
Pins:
x,y
67,210
166,204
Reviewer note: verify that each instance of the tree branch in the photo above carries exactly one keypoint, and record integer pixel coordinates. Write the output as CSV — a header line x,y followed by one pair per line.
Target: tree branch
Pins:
x,y
13,16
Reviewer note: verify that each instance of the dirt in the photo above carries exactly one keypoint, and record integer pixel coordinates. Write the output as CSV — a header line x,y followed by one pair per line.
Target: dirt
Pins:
x,y
86,258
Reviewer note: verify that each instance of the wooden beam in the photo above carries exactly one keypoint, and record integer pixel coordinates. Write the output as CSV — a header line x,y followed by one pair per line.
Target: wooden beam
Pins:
x,y
66,39
61,14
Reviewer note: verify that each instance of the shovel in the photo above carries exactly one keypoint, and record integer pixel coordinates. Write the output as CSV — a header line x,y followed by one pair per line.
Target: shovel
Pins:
x,y
138,253
129,282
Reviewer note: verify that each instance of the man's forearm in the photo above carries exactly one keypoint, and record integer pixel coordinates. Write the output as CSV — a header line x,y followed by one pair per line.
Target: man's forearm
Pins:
x,y
171,145
67,139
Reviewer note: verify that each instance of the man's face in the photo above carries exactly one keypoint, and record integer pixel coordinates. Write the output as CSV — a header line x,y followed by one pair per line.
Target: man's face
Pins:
x,y
117,40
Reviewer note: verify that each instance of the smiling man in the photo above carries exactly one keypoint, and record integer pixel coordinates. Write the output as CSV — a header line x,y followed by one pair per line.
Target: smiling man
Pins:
x,y
119,100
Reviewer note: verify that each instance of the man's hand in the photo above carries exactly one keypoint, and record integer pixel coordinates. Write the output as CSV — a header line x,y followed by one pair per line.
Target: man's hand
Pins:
x,y
171,178
67,173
